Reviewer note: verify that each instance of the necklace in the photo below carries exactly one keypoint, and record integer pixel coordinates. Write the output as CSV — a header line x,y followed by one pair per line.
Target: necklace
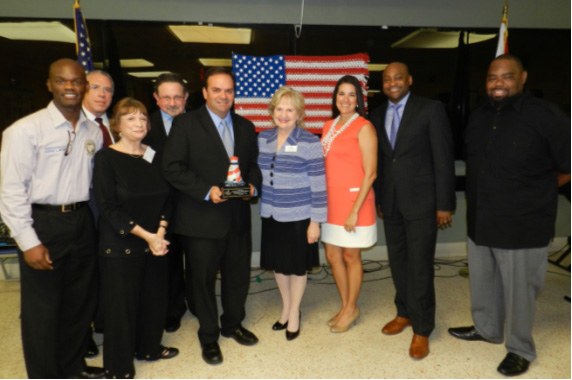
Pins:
x,y
332,133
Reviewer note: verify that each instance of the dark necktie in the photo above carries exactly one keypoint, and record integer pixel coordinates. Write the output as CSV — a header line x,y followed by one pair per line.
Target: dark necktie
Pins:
x,y
106,137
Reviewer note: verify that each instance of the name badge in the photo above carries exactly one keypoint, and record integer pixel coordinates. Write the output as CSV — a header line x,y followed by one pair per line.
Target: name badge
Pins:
x,y
291,148
149,154
354,189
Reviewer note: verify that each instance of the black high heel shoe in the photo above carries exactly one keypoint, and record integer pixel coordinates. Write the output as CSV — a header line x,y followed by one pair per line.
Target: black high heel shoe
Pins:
x,y
294,335
279,326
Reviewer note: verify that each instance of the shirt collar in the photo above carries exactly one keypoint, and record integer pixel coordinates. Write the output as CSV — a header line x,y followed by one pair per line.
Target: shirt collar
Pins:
x,y
515,101
59,120
92,117
217,119
291,140
166,116
402,101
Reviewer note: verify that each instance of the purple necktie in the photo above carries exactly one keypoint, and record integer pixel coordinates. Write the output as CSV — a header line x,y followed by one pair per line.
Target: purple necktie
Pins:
x,y
394,124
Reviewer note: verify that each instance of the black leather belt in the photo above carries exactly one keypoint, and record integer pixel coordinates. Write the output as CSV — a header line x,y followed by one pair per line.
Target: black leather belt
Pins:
x,y
60,208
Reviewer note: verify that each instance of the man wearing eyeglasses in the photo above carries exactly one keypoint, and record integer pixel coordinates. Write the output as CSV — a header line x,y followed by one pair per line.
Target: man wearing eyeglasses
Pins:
x,y
171,96
97,100
46,169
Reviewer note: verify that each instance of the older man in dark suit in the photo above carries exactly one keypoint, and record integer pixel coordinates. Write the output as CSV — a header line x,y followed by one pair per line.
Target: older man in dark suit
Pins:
x,y
171,95
415,194
216,231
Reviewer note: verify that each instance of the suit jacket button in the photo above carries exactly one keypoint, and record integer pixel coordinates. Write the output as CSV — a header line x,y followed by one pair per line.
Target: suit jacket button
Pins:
x,y
108,251
146,249
121,232
131,222
127,251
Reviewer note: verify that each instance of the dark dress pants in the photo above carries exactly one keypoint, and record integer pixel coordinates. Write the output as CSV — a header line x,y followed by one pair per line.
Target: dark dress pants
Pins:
x,y
176,305
135,302
58,305
411,250
205,257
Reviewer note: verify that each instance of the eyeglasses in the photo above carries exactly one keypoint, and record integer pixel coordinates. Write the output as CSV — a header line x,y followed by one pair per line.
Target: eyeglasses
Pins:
x,y
176,98
71,137
96,87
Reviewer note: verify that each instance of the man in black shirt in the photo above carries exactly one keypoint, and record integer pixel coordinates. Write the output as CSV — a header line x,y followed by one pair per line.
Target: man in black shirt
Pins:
x,y
516,147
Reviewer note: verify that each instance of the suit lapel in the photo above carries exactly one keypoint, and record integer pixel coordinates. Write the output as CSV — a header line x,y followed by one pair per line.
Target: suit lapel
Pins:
x,y
384,138
211,130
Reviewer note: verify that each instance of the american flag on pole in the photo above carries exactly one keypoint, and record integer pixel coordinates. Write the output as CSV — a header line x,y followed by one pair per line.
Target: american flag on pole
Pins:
x,y
82,46
502,46
257,78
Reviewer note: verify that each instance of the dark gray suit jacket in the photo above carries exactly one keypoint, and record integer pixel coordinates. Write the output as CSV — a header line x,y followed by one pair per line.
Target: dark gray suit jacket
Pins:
x,y
419,176
194,160
157,135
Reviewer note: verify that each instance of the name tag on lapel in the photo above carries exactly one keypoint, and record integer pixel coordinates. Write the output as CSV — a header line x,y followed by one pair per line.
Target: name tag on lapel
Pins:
x,y
291,148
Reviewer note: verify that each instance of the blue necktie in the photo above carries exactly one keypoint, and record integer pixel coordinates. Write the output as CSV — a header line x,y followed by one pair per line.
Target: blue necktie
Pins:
x,y
227,139
394,124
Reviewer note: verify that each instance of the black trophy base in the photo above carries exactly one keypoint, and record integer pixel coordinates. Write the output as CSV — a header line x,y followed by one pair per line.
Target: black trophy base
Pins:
x,y
232,192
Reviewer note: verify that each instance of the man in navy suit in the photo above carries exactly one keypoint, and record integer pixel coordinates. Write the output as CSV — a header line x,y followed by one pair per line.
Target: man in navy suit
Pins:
x,y
216,232
171,95
415,194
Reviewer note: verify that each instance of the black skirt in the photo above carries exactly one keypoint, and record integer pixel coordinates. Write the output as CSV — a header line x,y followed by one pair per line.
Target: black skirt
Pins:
x,y
285,249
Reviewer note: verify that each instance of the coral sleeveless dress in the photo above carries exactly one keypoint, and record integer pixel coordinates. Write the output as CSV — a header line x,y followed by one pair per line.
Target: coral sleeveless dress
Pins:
x,y
344,175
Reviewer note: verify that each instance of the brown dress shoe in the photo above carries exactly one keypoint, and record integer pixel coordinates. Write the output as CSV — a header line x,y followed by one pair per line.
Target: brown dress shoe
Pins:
x,y
419,347
396,326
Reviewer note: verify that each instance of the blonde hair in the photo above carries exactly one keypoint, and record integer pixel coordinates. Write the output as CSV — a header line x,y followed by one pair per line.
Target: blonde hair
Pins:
x,y
124,107
295,97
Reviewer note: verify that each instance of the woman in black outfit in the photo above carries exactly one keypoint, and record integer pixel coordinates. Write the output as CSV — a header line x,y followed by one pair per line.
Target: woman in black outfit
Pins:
x,y
135,204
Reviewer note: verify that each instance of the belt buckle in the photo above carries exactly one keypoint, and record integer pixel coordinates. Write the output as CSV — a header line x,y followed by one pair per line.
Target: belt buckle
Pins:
x,y
68,208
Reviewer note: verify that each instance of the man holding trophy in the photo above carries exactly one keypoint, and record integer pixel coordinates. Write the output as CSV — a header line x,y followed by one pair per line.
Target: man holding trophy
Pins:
x,y
215,228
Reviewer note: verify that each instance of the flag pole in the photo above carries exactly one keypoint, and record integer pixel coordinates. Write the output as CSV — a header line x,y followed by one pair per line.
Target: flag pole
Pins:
x,y
502,46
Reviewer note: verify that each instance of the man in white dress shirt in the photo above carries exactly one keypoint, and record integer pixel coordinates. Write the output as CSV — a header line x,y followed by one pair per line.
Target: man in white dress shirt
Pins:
x,y
98,98
46,169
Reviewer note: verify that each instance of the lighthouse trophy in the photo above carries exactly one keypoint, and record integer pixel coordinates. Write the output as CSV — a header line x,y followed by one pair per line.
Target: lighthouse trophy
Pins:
x,y
234,186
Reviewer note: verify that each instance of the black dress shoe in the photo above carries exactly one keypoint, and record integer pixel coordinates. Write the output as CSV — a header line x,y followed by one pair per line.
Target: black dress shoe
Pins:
x,y
466,333
91,373
513,365
92,350
242,336
279,326
172,324
164,353
211,353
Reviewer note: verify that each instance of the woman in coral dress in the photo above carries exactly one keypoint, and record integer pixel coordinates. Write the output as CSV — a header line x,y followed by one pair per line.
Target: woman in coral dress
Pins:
x,y
350,154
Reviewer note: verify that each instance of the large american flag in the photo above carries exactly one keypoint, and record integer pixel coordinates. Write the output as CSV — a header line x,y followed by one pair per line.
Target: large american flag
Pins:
x,y
257,78
82,46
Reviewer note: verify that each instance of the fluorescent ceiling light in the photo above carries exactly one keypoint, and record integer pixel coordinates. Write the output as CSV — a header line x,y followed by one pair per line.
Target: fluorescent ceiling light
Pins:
x,y
147,74
128,63
377,66
432,39
135,62
53,31
215,62
211,34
